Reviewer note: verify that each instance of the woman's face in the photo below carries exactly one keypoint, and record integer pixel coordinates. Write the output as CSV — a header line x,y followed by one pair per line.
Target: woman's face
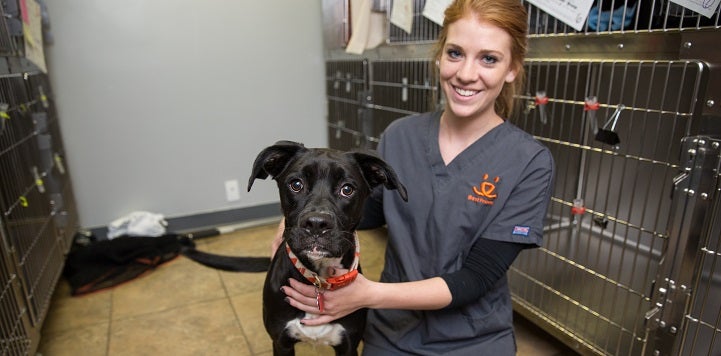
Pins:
x,y
474,65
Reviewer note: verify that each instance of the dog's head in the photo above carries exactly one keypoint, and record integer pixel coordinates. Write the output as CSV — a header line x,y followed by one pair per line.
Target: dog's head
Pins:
x,y
322,193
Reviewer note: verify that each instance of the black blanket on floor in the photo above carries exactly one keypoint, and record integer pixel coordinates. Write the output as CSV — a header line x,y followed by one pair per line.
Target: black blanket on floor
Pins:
x,y
107,263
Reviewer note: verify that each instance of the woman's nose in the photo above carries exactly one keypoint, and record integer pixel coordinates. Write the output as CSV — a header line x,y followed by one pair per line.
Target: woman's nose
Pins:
x,y
467,72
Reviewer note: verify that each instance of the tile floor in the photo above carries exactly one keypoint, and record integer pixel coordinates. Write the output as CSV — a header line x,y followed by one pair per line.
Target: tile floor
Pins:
x,y
183,308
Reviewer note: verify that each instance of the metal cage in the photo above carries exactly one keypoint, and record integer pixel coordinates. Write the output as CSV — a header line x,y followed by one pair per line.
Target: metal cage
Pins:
x,y
607,223
38,209
38,218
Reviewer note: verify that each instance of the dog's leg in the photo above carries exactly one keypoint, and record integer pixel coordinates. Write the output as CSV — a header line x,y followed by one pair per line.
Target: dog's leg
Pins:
x,y
284,346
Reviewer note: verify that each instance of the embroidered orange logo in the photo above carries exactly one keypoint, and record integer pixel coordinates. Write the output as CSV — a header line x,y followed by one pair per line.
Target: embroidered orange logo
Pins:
x,y
486,191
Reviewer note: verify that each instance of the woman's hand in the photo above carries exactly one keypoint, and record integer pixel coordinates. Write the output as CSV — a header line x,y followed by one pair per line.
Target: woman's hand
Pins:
x,y
336,303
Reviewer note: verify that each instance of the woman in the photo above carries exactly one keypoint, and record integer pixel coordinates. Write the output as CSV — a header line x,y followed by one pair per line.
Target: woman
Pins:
x,y
478,191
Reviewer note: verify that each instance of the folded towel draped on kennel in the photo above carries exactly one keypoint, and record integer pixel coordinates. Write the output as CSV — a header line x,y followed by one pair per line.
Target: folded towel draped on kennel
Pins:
x,y
630,263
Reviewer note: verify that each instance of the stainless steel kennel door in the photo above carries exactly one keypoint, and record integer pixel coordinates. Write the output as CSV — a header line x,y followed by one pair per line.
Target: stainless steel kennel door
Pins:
x,y
605,236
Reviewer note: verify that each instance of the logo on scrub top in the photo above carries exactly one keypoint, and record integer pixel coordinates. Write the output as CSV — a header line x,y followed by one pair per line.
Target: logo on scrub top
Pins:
x,y
485,192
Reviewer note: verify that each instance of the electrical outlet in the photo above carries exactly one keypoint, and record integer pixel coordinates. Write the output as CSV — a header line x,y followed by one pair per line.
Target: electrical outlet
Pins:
x,y
232,190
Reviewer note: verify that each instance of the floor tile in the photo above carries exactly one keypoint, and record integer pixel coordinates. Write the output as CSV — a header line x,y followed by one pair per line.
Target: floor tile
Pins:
x,y
253,241
173,284
206,328
71,312
243,283
87,340
249,309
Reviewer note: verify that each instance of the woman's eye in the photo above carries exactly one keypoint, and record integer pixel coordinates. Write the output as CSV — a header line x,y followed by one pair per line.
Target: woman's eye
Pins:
x,y
489,59
347,190
296,185
452,53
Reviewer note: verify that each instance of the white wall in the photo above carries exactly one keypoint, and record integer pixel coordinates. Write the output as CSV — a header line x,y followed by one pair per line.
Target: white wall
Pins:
x,y
162,101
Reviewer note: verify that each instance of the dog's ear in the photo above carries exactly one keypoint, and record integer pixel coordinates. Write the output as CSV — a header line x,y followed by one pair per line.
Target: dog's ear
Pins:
x,y
273,160
376,172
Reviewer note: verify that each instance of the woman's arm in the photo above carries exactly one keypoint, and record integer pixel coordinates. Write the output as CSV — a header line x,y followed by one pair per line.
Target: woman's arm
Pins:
x,y
484,266
428,294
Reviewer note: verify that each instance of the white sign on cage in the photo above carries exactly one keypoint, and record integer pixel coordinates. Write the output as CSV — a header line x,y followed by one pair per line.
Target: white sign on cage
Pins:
x,y
402,14
703,7
434,10
571,12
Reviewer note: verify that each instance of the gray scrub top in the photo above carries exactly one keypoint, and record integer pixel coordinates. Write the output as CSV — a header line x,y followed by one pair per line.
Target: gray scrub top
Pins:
x,y
498,188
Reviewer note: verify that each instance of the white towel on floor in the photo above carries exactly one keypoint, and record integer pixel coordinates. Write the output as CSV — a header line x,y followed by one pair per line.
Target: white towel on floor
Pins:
x,y
138,223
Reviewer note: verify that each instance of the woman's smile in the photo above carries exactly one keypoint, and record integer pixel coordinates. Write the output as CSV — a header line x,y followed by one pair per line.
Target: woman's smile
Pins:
x,y
465,92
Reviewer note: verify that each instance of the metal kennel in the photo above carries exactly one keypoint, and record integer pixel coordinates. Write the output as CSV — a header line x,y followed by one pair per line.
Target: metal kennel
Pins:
x,y
38,217
630,110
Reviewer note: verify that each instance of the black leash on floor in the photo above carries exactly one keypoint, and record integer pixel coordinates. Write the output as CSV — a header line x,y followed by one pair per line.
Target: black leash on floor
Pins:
x,y
221,262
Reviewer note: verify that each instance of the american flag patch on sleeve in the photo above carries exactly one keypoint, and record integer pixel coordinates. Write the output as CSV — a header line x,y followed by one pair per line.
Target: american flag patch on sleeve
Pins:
x,y
521,230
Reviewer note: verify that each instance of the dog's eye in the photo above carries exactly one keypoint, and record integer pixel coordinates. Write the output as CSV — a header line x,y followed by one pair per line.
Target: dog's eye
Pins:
x,y
347,190
296,185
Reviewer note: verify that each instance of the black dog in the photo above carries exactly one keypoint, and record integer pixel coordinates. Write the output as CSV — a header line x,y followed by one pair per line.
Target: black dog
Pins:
x,y
322,193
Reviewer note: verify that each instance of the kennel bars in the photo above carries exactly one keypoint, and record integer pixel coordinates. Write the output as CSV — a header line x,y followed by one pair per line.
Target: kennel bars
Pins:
x,y
38,218
630,112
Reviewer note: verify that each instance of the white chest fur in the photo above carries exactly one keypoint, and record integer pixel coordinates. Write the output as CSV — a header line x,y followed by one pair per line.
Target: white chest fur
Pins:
x,y
327,334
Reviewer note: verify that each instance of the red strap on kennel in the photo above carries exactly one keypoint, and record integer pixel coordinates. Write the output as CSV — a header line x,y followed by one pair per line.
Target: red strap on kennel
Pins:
x,y
541,100
590,106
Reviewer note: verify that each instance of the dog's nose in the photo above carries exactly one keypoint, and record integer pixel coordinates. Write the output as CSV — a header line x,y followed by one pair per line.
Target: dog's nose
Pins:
x,y
317,223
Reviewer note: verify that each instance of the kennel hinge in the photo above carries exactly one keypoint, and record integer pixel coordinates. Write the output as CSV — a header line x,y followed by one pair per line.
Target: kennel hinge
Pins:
x,y
662,319
666,296
700,156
